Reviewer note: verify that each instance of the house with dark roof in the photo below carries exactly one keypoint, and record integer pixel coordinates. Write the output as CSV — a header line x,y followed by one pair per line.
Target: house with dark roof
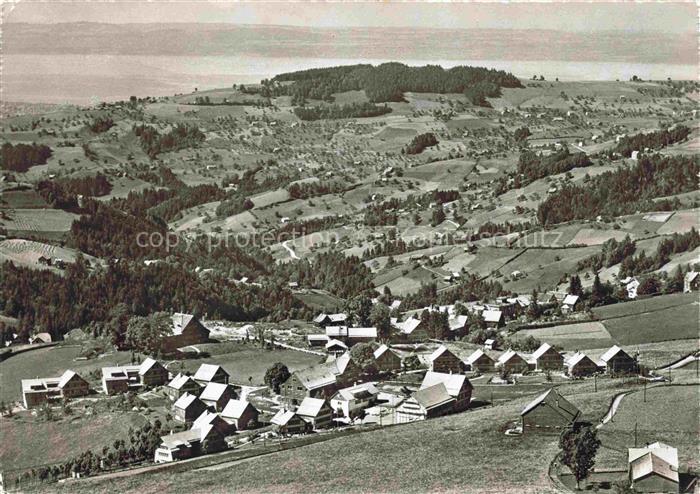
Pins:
x,y
187,408
547,358
386,359
316,412
653,468
186,330
211,373
240,413
443,360
480,362
549,411
180,385
426,403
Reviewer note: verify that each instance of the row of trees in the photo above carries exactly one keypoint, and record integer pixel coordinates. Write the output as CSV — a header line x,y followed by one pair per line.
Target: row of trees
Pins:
x,y
622,191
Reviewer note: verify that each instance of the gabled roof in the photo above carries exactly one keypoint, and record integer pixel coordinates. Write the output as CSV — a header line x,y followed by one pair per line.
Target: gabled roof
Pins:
x,y
206,372
507,355
650,463
453,382
440,350
207,418
570,300
66,377
662,450
476,356
146,365
370,332
320,318
544,347
432,396
184,401
317,337
336,331
382,350
576,359
310,407
213,391
339,317
179,381
614,350
492,315
282,417
341,363
690,276
234,409
359,391
457,322
557,402
331,343
180,322
317,376
409,325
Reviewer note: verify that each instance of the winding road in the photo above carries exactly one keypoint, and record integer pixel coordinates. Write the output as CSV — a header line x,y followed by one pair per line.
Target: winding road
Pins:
x,y
292,254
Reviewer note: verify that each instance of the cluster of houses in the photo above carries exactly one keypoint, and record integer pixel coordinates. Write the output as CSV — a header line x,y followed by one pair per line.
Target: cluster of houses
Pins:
x,y
36,392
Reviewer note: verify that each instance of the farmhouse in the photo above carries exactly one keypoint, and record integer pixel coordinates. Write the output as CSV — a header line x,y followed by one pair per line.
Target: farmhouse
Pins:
x,y
316,381
351,335
457,386
121,379
241,414
493,318
351,401
457,323
425,403
570,303
412,329
36,392
40,338
336,347
210,373
549,411
186,330
547,358
188,444
209,418
316,412
490,344
617,361
287,422
691,282
653,468
512,362
324,320
480,362
386,359
187,408
579,365
317,339
443,360
216,395
180,385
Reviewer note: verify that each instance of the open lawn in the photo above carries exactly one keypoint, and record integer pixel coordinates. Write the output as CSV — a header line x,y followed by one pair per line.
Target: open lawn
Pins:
x,y
667,317
572,336
26,442
242,361
670,414
38,221
27,253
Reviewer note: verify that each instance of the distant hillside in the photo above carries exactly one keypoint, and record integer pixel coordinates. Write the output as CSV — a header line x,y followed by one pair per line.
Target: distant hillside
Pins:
x,y
355,43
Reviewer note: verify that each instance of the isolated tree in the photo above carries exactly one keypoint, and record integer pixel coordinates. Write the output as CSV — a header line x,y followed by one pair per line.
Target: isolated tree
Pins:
x,y
598,294
276,375
359,309
579,447
380,317
533,310
438,215
362,355
145,333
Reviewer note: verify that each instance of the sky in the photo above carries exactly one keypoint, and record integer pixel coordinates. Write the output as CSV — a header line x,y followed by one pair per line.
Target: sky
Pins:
x,y
676,17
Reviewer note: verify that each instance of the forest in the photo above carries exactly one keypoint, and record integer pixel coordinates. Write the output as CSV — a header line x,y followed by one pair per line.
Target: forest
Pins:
x,y
101,124
388,81
58,303
622,191
153,143
92,186
305,190
420,142
21,157
533,166
653,140
331,112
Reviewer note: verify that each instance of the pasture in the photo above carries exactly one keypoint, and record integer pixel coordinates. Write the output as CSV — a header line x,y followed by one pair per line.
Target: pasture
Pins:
x,y
572,337
38,221
27,253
